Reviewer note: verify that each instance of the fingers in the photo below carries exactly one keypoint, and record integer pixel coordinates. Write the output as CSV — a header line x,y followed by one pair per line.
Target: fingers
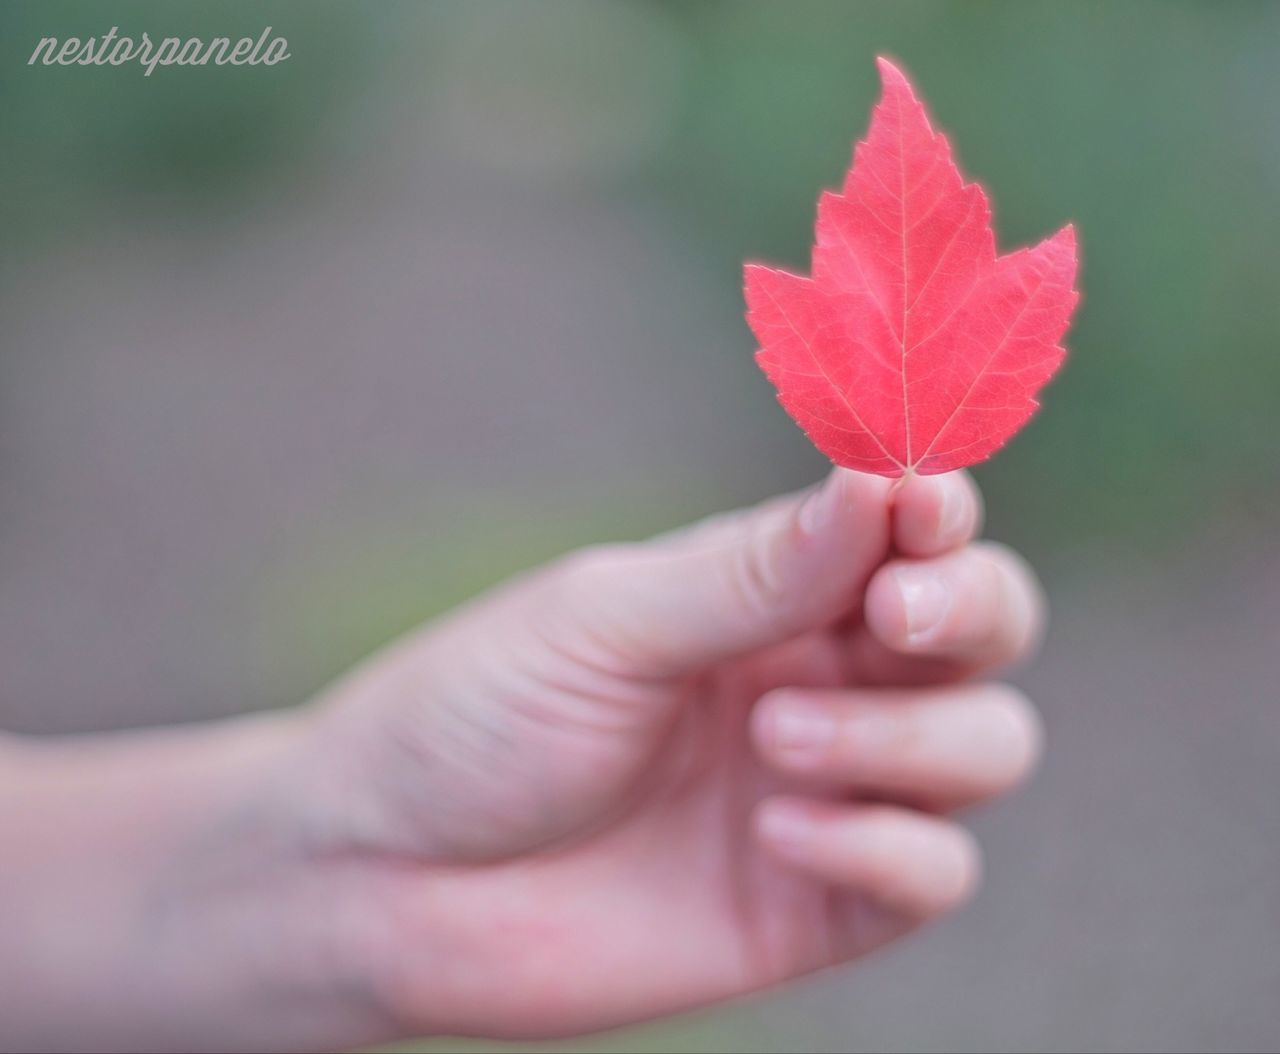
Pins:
x,y
943,748
935,514
761,576
734,582
910,863
977,608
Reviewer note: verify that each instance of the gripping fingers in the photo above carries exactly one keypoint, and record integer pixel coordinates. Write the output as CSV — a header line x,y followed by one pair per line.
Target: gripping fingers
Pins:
x,y
942,747
981,606
912,864
935,514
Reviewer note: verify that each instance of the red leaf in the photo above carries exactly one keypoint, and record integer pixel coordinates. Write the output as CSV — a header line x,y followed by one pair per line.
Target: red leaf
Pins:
x,y
913,346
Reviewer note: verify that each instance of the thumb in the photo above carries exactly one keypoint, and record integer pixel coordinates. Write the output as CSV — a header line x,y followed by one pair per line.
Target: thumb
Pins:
x,y
740,580
494,763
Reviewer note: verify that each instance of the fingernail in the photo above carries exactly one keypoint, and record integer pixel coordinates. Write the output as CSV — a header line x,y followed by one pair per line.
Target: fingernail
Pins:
x,y
786,825
926,600
802,732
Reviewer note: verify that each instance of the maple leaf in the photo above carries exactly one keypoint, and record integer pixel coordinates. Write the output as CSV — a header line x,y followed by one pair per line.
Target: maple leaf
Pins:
x,y
913,347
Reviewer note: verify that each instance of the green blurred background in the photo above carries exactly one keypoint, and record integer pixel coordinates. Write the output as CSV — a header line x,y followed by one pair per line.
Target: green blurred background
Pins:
x,y
294,357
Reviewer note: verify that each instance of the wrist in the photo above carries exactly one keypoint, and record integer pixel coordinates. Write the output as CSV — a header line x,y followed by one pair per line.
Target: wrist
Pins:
x,y
175,890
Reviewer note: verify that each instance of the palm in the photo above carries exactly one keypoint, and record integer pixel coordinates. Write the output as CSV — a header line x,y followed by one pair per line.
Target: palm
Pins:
x,y
665,850
583,777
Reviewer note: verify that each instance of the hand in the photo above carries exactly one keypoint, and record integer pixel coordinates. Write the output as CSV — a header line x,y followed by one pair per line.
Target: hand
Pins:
x,y
642,779
653,776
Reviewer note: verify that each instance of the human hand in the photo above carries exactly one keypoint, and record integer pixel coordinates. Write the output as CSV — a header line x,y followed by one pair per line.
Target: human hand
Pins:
x,y
641,779
652,776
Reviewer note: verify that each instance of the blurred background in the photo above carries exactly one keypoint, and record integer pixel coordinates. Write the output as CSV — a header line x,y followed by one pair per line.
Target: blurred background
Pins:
x,y
293,357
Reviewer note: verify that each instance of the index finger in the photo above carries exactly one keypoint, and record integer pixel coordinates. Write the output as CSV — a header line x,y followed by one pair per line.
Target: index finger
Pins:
x,y
935,514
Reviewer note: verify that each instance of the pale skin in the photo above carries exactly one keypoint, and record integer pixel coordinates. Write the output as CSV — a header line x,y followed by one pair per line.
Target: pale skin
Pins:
x,y
645,778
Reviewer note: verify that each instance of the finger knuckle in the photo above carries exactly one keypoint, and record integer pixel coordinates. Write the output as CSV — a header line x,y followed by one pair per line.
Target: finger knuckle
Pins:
x,y
756,576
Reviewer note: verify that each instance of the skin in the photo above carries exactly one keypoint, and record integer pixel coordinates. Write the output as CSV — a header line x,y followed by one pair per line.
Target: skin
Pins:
x,y
642,779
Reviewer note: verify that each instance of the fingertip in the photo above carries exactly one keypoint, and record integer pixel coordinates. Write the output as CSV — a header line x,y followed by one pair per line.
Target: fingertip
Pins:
x,y
1015,736
908,604
934,514
914,864
845,499
955,866
981,605
1024,595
